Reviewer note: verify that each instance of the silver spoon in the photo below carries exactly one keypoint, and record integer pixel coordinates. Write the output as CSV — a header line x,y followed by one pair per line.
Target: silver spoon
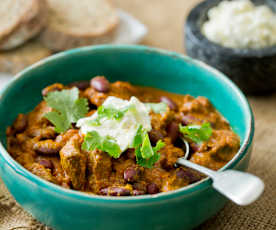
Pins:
x,y
240,187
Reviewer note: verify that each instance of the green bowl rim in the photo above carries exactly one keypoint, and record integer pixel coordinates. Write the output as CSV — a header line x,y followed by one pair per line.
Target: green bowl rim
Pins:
x,y
200,185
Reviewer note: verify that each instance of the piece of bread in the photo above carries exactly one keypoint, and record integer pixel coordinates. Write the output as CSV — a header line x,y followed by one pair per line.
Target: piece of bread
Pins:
x,y
16,60
20,21
75,23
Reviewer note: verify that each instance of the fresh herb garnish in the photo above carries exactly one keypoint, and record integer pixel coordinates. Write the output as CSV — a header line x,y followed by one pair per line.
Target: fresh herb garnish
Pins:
x,y
197,133
109,113
93,140
146,155
157,107
68,108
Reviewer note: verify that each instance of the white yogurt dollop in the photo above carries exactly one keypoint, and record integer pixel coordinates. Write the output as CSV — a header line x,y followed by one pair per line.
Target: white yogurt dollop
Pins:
x,y
124,130
241,24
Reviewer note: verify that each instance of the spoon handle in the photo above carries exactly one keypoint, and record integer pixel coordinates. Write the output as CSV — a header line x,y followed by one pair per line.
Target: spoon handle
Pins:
x,y
206,171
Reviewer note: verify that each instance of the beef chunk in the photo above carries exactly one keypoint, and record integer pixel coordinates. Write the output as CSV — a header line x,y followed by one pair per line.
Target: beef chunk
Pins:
x,y
73,162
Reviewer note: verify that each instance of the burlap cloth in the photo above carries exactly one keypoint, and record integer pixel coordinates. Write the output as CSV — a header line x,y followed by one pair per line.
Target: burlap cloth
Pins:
x,y
164,19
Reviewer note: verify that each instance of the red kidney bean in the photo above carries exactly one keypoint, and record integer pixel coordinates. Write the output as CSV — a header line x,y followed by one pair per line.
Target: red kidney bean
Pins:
x,y
173,131
115,191
48,147
152,188
189,119
46,163
42,133
189,175
138,192
155,136
80,84
131,154
104,191
169,102
131,174
180,173
100,83
195,147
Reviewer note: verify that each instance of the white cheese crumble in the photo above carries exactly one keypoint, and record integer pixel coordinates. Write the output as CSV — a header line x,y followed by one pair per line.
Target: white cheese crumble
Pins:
x,y
124,130
241,24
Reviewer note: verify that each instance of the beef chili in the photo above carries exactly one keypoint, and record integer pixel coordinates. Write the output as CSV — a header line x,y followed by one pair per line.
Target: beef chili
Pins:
x,y
118,139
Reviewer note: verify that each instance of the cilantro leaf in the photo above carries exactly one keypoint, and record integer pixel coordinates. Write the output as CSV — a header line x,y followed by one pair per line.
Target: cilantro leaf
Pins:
x,y
159,145
109,113
80,109
197,133
138,139
157,107
111,147
93,140
148,163
146,156
146,148
58,120
68,108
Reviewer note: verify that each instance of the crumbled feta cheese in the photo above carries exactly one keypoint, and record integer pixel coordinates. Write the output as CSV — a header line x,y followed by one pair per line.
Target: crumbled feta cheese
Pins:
x,y
124,130
241,24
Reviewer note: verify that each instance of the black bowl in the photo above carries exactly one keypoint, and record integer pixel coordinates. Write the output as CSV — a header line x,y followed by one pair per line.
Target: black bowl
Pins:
x,y
253,70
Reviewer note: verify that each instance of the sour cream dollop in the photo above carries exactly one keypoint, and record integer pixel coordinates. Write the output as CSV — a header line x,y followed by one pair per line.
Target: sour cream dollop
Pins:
x,y
123,130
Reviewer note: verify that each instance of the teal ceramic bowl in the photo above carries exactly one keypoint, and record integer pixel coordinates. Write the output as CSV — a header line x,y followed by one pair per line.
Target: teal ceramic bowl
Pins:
x,y
65,209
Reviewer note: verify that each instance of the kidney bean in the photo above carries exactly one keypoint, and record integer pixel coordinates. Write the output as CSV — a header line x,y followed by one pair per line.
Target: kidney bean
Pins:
x,y
195,147
80,84
152,188
48,147
173,131
187,174
20,123
52,88
115,191
100,83
189,119
43,133
131,154
46,163
131,174
104,191
181,173
155,136
138,192
169,102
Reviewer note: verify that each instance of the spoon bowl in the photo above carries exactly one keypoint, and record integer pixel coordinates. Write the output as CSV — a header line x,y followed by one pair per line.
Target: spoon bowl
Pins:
x,y
240,187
